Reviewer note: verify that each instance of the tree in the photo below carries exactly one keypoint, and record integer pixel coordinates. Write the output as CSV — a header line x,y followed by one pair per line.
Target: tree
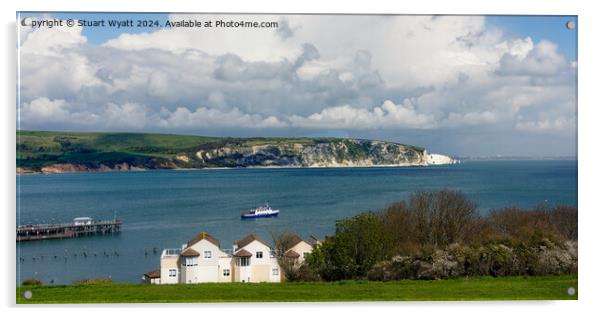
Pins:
x,y
359,242
283,241
443,217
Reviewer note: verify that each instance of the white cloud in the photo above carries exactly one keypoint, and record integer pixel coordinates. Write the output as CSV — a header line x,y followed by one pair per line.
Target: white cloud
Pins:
x,y
471,118
42,110
50,41
546,125
251,44
52,63
204,117
542,59
388,115
318,73
128,115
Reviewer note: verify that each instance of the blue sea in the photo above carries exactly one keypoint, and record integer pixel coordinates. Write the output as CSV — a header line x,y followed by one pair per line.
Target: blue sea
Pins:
x,y
164,209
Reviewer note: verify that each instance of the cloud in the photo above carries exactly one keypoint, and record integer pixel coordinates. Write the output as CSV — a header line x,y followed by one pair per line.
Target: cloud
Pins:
x,y
542,59
363,75
43,110
546,125
388,115
284,30
204,117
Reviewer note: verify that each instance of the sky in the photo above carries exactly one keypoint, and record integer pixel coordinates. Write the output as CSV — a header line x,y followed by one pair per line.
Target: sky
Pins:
x,y
457,85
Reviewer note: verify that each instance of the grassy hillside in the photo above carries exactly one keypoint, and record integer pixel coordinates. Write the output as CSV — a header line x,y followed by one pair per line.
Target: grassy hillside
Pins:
x,y
487,288
36,149
32,143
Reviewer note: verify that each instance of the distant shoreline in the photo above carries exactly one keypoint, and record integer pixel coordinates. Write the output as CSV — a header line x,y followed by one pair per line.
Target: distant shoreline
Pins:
x,y
464,160
109,170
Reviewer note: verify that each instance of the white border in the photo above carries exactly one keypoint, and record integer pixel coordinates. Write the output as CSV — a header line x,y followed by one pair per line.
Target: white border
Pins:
x,y
589,148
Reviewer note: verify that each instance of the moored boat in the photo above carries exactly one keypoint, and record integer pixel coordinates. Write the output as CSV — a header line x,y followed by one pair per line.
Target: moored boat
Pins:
x,y
258,212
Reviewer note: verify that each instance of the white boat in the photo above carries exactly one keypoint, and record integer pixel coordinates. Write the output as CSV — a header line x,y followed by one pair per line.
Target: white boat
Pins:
x,y
262,211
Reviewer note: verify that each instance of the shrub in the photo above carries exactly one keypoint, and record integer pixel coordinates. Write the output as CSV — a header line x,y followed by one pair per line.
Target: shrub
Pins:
x,y
32,282
440,235
358,243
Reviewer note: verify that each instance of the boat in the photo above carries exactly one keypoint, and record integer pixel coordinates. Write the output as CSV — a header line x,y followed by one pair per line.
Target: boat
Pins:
x,y
262,211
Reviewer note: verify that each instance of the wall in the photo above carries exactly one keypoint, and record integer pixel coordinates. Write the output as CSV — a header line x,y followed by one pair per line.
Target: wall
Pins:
x,y
167,263
300,248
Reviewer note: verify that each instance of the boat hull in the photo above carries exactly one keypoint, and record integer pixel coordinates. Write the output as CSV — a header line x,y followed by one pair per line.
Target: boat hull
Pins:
x,y
250,216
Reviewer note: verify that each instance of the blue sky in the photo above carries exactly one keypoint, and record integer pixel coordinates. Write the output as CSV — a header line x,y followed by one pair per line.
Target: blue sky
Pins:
x,y
100,35
541,27
459,85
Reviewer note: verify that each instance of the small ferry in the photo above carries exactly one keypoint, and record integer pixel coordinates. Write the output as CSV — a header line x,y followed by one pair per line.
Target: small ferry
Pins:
x,y
262,211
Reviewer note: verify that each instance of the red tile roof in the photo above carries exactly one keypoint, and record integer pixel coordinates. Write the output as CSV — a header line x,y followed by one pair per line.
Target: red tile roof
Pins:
x,y
249,239
202,236
153,274
243,253
189,252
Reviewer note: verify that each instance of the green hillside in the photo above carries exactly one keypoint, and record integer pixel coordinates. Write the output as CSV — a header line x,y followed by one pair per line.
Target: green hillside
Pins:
x,y
38,149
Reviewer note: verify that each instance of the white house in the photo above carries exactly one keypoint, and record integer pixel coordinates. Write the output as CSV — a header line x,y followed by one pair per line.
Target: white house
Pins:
x,y
254,261
202,260
299,249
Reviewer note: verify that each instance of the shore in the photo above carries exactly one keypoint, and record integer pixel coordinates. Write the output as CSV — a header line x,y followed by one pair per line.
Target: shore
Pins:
x,y
71,168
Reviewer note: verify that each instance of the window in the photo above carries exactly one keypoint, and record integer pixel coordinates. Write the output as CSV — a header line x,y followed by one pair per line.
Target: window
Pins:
x,y
275,271
305,254
172,273
190,262
243,261
207,255
226,272
259,254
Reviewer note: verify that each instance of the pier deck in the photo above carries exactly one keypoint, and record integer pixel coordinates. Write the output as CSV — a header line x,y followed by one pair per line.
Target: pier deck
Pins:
x,y
67,230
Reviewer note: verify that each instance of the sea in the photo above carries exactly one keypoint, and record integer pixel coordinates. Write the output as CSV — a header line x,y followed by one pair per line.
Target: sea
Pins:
x,y
166,208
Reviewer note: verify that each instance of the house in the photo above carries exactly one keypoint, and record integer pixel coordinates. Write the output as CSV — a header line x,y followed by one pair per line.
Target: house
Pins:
x,y
299,249
202,260
254,261
152,277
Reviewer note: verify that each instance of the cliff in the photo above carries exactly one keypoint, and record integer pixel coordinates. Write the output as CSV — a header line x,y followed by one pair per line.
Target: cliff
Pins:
x,y
52,152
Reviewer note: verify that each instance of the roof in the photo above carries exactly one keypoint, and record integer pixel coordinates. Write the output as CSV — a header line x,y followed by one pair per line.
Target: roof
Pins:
x,y
201,236
153,274
314,240
295,239
189,252
82,219
292,254
249,239
242,253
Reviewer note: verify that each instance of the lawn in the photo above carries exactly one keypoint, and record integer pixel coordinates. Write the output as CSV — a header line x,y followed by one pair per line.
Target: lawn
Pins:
x,y
484,288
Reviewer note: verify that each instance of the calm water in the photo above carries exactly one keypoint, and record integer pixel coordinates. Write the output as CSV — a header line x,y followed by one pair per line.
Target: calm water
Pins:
x,y
162,209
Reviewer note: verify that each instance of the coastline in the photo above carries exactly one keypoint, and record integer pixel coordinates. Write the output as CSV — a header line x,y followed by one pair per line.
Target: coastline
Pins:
x,y
23,171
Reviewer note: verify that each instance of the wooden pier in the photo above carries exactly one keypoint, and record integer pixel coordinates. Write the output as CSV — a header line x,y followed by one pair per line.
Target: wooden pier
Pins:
x,y
67,230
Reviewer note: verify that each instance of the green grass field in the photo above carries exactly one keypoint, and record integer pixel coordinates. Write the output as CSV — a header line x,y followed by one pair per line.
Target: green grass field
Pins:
x,y
485,288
